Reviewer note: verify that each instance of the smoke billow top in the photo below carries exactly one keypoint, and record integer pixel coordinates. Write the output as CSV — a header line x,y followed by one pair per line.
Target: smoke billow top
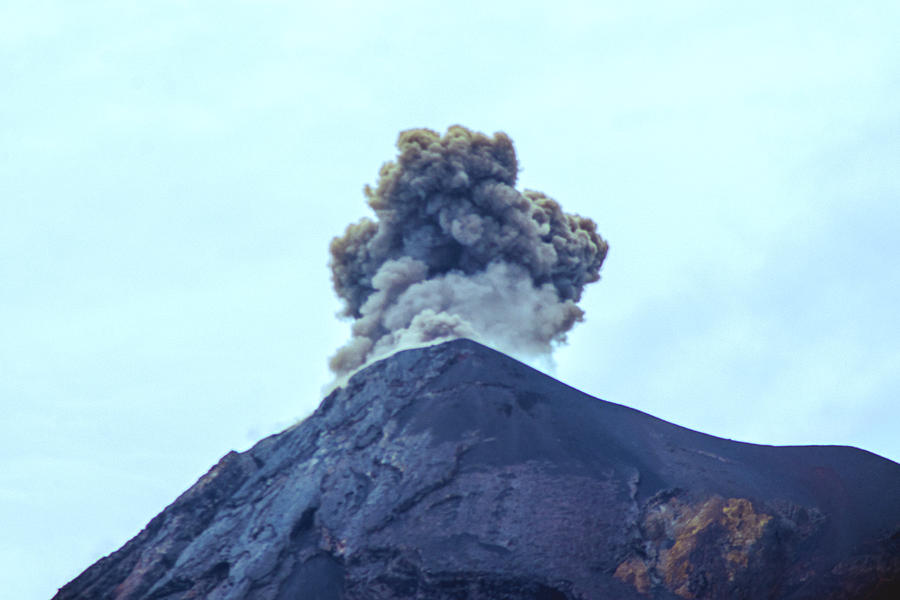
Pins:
x,y
457,251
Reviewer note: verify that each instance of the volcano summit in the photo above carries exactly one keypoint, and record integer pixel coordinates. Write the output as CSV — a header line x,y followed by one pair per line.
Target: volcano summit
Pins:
x,y
454,471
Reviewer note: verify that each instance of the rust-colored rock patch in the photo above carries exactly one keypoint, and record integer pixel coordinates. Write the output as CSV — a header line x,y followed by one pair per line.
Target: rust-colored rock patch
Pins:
x,y
694,549
634,572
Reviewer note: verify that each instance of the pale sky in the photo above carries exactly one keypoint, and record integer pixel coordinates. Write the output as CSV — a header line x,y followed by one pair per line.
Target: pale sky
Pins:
x,y
172,173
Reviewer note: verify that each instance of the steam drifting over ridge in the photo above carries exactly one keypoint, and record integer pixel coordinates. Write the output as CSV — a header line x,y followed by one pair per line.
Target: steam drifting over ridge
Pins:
x,y
457,251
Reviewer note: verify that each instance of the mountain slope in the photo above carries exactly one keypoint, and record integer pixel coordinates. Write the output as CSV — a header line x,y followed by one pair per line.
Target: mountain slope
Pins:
x,y
454,471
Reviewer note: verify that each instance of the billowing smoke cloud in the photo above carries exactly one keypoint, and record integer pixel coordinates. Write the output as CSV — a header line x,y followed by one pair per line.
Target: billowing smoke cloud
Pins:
x,y
457,251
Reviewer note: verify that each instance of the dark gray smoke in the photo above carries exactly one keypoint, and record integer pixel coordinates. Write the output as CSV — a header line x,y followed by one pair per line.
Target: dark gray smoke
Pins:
x,y
457,251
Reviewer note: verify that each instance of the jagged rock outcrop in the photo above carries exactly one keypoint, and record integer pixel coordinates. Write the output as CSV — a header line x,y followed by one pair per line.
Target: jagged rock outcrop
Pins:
x,y
457,472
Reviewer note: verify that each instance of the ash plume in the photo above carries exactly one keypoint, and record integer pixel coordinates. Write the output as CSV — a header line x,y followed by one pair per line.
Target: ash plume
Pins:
x,y
457,251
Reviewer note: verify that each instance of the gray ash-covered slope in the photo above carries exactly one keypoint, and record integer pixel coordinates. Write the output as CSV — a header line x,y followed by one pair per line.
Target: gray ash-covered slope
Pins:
x,y
457,472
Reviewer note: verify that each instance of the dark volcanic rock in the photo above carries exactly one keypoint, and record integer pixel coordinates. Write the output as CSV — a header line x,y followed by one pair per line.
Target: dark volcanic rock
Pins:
x,y
456,472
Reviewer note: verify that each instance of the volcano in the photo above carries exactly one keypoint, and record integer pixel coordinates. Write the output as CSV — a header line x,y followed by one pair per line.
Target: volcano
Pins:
x,y
454,471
